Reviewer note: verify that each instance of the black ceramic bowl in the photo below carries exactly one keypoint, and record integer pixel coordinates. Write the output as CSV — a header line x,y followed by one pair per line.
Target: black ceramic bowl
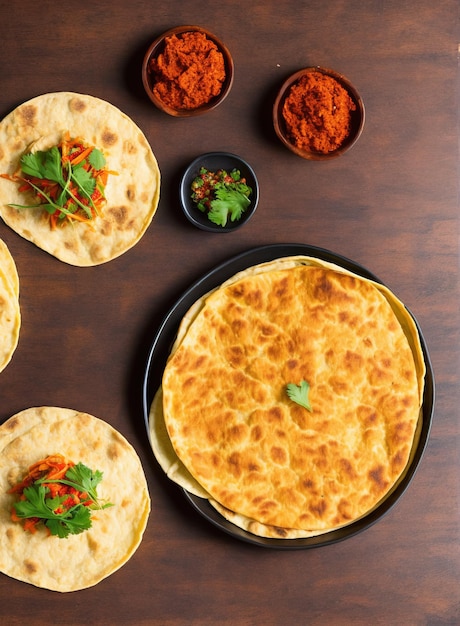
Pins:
x,y
357,116
214,161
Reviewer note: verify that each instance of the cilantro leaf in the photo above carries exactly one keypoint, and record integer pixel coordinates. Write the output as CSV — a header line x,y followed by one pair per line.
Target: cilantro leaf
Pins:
x,y
228,203
83,479
45,164
78,521
84,179
218,214
52,168
299,394
31,165
35,504
97,159
56,527
73,521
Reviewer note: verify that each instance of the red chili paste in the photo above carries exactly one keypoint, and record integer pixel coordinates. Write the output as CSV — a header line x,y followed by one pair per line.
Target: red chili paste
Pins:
x,y
189,72
317,112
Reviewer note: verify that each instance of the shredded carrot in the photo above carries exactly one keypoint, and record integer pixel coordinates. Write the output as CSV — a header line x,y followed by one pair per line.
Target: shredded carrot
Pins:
x,y
102,177
64,146
8,177
74,152
80,157
79,218
54,466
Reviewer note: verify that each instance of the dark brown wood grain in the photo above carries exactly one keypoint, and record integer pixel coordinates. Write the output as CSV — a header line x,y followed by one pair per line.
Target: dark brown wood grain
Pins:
x,y
391,204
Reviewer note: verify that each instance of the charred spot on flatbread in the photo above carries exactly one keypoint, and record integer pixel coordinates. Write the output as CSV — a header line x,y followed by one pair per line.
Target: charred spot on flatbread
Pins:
x,y
108,138
27,115
77,104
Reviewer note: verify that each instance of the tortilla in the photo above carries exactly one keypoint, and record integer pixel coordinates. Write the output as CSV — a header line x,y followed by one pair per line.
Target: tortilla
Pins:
x,y
10,314
132,192
8,267
266,463
82,560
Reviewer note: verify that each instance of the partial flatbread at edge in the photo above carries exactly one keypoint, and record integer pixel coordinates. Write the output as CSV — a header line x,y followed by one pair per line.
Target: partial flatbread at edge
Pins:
x,y
10,314
250,431
83,560
8,267
132,193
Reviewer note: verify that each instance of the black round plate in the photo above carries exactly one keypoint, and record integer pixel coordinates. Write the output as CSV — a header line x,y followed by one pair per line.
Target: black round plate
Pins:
x,y
160,349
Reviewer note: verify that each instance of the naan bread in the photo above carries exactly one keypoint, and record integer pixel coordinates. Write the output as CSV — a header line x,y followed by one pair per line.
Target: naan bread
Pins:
x,y
83,560
132,193
259,456
10,315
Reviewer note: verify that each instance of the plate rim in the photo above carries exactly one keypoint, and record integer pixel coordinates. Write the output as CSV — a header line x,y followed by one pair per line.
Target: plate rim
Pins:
x,y
169,326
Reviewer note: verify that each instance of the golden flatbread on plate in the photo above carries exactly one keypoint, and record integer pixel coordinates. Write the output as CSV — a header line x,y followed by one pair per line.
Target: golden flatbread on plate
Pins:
x,y
224,427
79,560
132,187
10,314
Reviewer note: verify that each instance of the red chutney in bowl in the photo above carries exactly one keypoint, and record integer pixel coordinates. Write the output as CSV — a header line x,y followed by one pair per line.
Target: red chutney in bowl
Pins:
x,y
317,113
189,72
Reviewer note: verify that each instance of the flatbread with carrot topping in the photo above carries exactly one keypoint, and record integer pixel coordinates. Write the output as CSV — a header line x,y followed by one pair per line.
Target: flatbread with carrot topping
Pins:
x,y
79,560
132,188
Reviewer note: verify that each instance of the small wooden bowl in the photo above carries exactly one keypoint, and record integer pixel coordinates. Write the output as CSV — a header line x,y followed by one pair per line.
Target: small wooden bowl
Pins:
x,y
149,80
357,116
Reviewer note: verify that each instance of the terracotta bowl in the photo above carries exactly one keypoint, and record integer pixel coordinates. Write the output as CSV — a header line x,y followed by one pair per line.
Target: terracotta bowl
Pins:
x,y
357,116
148,78
214,161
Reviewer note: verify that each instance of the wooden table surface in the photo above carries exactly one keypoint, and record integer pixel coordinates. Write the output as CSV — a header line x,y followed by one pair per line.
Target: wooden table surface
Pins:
x,y
390,204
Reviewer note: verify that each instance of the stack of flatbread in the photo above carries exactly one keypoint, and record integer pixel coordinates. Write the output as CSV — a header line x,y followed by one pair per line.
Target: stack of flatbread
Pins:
x,y
132,190
81,560
10,315
223,426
